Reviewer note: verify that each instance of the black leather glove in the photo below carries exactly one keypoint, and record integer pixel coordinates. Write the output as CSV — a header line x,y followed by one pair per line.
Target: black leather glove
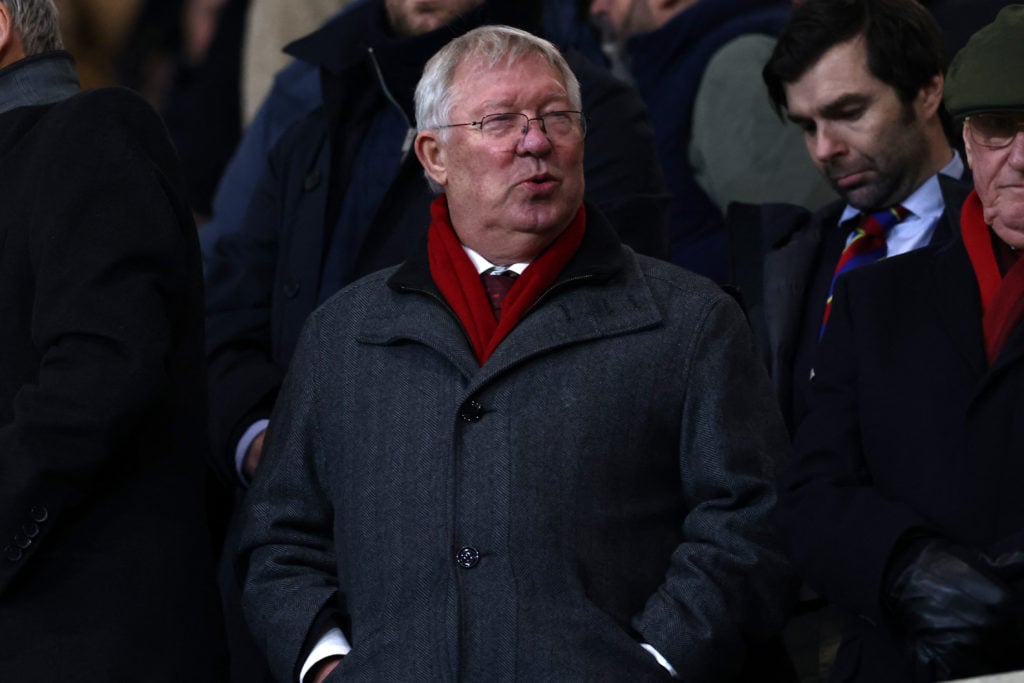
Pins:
x,y
958,617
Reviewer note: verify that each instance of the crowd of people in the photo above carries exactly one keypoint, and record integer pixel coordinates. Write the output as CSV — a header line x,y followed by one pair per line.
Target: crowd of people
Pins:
x,y
516,340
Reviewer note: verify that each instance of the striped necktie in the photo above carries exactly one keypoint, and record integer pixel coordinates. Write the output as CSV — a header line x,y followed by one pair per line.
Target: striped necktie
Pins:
x,y
867,246
497,281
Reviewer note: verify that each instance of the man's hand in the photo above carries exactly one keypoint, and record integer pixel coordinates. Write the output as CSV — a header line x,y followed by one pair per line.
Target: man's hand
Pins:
x,y
252,456
959,619
322,669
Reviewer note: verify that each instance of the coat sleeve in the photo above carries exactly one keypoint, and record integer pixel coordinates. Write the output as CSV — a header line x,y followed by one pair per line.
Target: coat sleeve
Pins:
x,y
240,279
114,262
727,587
286,554
838,527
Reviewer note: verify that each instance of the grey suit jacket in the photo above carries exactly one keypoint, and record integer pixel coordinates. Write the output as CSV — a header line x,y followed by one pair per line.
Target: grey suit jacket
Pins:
x,y
603,480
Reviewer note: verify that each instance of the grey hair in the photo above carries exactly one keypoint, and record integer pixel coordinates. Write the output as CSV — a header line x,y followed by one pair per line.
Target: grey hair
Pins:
x,y
492,45
37,25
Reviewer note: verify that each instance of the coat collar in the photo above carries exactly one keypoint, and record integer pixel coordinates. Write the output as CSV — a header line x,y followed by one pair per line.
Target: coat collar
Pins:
x,y
600,293
40,79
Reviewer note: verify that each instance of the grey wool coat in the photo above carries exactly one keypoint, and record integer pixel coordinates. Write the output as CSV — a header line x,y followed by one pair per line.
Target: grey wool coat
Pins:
x,y
602,481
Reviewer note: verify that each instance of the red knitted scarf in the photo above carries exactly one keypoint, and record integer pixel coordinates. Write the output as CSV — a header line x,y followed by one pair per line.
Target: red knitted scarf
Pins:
x,y
456,277
1002,296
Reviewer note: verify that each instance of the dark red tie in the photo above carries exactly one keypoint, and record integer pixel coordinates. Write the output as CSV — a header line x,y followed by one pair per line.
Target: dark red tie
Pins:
x,y
497,281
867,246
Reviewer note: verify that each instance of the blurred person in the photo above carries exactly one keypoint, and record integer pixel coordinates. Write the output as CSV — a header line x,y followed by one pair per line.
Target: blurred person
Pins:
x,y
697,65
904,504
270,25
105,562
410,519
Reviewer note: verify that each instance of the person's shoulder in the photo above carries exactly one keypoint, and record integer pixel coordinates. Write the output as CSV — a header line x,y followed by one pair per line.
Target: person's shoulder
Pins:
x,y
116,119
106,105
669,281
368,294
898,274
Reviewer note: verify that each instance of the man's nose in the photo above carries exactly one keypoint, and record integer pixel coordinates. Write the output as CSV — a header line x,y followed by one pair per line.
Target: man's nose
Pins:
x,y
827,145
1016,159
535,141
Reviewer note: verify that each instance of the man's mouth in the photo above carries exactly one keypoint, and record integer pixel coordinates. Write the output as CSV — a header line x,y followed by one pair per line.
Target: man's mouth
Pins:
x,y
540,181
847,180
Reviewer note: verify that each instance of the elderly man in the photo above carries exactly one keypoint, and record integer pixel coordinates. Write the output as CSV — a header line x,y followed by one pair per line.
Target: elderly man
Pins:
x,y
863,79
905,505
562,475
105,571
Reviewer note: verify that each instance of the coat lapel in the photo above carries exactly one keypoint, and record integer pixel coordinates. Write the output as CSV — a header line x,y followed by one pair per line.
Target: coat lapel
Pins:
x,y
572,314
956,299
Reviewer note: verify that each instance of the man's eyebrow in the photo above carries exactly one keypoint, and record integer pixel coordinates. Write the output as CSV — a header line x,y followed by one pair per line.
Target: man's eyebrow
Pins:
x,y
842,105
837,108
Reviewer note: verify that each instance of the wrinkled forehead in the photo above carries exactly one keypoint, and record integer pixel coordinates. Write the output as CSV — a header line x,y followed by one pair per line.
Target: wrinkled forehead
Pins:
x,y
509,79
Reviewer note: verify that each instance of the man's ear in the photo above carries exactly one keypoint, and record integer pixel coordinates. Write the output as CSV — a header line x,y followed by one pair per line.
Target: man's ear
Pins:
x,y
930,96
10,44
431,153
968,146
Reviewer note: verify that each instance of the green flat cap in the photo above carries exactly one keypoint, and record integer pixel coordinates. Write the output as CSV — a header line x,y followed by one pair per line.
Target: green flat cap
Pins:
x,y
987,74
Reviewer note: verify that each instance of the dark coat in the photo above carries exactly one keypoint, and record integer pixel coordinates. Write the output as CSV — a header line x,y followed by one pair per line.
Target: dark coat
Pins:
x,y
105,573
908,429
611,464
782,258
295,250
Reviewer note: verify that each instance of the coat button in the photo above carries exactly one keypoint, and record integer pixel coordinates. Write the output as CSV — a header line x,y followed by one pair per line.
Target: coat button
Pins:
x,y
22,541
312,180
30,529
11,553
472,412
39,513
290,288
468,558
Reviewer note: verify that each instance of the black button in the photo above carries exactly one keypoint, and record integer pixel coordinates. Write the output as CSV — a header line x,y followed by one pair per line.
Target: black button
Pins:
x,y
30,529
13,554
472,412
39,513
468,557
22,541
291,288
312,180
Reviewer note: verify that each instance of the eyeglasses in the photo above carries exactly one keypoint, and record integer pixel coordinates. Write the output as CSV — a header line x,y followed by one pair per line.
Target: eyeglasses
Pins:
x,y
510,126
995,130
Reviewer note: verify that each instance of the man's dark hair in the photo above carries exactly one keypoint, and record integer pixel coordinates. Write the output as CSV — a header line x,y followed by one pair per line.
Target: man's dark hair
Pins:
x,y
904,44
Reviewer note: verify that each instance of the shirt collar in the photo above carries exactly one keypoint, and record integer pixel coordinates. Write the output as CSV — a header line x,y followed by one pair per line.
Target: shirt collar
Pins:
x,y
927,198
40,79
481,264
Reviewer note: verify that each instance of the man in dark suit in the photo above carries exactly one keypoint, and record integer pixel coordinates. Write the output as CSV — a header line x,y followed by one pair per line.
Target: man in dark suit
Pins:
x,y
105,571
864,80
558,475
905,505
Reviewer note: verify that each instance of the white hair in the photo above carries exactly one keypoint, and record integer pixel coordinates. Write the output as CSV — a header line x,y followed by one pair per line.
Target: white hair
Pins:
x,y
36,23
492,45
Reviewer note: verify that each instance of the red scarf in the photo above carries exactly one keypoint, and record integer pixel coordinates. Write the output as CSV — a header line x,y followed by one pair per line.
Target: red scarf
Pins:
x,y
1002,297
456,277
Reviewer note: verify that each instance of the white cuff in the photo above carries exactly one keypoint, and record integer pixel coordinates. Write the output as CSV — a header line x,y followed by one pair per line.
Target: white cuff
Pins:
x,y
242,448
332,643
661,660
